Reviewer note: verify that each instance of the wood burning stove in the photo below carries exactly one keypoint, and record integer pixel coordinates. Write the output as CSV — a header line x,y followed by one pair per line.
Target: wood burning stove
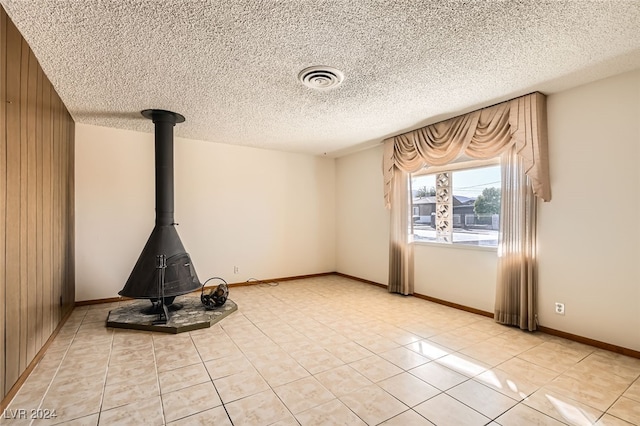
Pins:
x,y
179,274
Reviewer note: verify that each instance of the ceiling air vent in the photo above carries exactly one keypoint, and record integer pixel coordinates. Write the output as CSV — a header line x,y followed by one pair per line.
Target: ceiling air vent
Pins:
x,y
321,77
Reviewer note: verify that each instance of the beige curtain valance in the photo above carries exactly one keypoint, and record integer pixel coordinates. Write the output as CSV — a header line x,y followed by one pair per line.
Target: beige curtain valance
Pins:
x,y
481,134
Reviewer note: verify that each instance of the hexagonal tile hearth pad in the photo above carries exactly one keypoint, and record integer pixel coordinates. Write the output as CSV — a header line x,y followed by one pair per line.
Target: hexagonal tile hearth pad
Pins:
x,y
192,316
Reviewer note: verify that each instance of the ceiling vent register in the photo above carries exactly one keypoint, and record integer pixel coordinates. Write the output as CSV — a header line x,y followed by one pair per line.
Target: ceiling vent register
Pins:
x,y
321,77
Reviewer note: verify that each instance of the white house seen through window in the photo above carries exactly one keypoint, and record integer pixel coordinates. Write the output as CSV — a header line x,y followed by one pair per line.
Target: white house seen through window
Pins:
x,y
457,207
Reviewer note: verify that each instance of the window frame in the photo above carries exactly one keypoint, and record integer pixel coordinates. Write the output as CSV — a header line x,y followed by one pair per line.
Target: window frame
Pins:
x,y
459,165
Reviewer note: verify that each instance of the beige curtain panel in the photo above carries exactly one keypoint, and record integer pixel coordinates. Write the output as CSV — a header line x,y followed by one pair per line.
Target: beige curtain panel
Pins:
x,y
516,130
400,251
516,284
482,134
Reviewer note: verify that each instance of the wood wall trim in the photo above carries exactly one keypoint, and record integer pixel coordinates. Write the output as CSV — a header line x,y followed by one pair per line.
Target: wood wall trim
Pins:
x,y
3,188
22,164
101,301
236,284
453,305
591,342
12,218
25,375
362,280
542,329
273,280
36,207
569,336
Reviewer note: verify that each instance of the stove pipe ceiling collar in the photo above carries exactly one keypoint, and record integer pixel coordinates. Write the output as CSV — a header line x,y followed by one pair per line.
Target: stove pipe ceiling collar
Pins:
x,y
164,122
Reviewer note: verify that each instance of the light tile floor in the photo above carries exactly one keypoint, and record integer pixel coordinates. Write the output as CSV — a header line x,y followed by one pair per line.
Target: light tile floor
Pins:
x,y
328,350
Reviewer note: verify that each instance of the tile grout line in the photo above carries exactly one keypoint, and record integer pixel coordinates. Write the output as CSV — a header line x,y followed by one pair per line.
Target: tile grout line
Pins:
x,y
263,310
155,364
517,356
104,387
66,352
344,363
518,402
258,371
311,375
210,379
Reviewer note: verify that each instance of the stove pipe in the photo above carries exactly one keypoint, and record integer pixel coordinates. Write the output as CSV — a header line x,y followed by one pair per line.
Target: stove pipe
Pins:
x,y
180,275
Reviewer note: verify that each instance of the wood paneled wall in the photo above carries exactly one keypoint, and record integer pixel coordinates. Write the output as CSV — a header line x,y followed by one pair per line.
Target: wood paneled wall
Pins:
x,y
37,282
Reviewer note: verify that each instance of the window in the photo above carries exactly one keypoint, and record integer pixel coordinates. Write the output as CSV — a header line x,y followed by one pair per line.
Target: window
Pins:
x,y
456,206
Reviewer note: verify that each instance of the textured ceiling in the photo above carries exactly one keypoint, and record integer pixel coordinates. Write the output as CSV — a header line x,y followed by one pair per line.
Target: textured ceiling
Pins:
x,y
231,66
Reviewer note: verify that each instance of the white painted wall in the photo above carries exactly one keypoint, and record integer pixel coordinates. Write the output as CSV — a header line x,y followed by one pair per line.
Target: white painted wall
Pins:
x,y
590,232
270,213
362,222
462,275
275,214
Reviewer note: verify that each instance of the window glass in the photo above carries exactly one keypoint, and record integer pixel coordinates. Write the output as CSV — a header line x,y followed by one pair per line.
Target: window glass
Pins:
x,y
474,213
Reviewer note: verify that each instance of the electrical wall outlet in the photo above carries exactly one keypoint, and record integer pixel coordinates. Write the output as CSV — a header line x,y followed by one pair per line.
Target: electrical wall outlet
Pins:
x,y
236,269
559,308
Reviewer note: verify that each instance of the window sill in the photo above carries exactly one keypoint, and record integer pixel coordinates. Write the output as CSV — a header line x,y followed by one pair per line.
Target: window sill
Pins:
x,y
456,246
